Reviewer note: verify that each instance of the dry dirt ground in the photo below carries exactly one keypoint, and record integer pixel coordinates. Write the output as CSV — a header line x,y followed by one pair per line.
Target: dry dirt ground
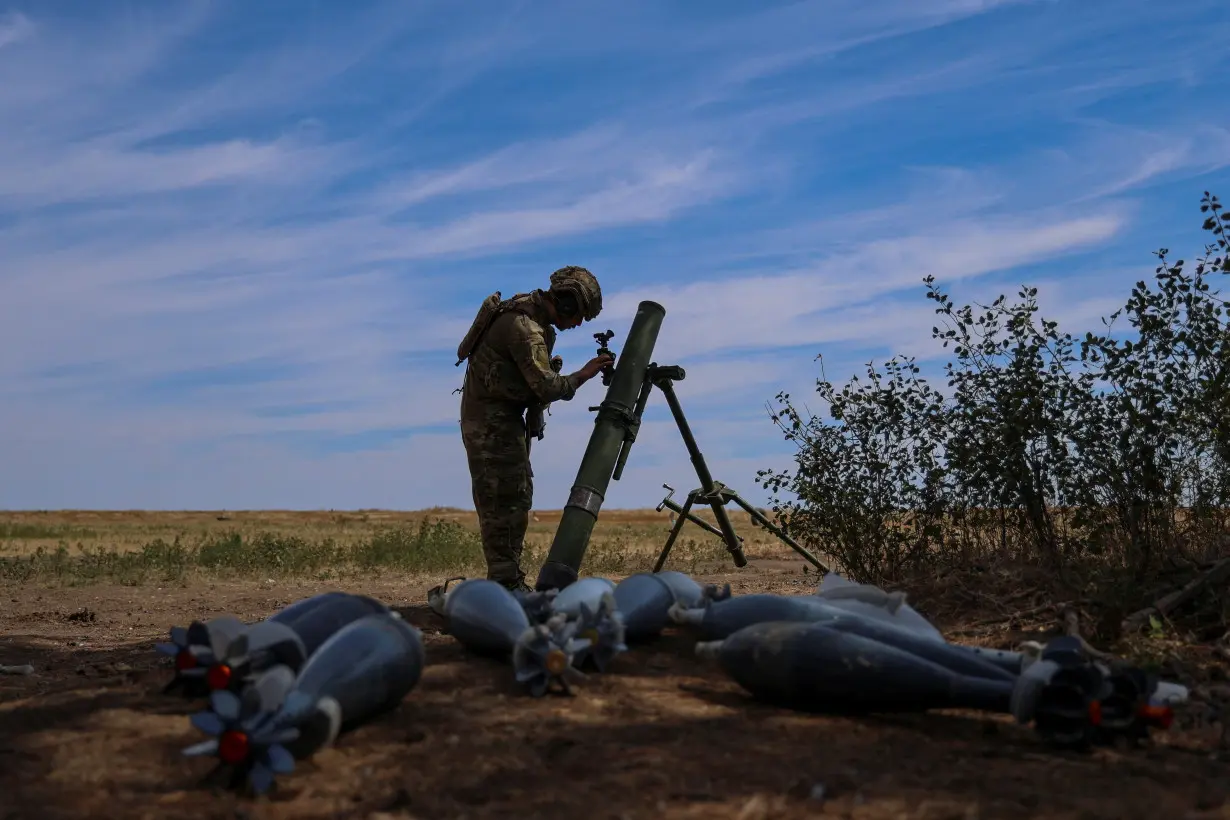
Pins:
x,y
660,735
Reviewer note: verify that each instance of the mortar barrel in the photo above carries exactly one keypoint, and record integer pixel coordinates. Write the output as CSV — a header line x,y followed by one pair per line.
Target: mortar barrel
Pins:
x,y
617,410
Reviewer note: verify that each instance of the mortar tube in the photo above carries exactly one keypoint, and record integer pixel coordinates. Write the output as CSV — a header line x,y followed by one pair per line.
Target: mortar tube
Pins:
x,y
616,412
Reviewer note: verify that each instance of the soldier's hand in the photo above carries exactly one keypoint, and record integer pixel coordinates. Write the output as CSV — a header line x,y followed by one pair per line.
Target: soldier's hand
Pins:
x,y
557,363
597,364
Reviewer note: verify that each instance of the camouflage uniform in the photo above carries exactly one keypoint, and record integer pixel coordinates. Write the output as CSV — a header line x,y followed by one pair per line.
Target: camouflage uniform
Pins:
x,y
508,371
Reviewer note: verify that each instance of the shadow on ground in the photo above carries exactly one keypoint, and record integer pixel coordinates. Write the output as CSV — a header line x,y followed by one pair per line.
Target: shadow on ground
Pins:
x,y
660,735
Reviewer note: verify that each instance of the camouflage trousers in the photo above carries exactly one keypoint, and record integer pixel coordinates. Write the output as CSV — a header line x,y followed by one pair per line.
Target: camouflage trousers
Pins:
x,y
502,483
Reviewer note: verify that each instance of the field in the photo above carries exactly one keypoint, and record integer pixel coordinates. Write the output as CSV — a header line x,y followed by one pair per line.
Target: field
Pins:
x,y
662,734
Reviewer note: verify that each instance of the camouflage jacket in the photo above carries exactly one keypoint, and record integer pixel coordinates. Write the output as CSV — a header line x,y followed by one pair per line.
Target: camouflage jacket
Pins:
x,y
512,362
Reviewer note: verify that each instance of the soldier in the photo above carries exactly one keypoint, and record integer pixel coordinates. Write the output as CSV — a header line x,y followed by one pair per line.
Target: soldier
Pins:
x,y
511,373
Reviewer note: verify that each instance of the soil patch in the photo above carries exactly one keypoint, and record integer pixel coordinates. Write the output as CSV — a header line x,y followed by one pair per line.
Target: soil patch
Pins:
x,y
89,734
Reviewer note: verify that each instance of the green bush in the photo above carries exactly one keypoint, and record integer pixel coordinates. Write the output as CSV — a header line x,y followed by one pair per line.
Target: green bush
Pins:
x,y
1111,449
435,546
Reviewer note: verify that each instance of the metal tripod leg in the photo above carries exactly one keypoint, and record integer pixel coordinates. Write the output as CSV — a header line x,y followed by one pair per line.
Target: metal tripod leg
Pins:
x,y
709,490
768,525
684,512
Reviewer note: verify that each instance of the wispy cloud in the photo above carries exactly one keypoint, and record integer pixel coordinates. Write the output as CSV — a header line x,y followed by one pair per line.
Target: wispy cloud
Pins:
x,y
841,299
250,241
14,27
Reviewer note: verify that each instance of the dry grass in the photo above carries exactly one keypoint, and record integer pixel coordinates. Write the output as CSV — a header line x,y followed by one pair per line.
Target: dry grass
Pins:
x,y
133,547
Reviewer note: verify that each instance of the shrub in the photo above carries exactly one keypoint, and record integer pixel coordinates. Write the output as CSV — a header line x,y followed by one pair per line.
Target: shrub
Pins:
x,y
1112,449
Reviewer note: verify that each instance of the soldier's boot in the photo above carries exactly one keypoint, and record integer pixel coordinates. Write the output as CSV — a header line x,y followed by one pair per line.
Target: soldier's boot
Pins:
x,y
508,574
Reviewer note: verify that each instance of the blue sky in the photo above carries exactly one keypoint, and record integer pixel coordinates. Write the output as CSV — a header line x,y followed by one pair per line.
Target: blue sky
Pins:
x,y
239,242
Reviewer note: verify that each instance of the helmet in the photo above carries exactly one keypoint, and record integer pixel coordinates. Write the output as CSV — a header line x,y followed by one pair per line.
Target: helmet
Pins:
x,y
580,283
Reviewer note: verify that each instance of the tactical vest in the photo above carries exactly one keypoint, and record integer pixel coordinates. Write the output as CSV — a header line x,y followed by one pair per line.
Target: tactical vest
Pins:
x,y
491,309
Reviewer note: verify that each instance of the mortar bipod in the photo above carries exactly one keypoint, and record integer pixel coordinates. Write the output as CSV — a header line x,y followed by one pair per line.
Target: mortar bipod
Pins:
x,y
721,495
663,377
715,494
674,507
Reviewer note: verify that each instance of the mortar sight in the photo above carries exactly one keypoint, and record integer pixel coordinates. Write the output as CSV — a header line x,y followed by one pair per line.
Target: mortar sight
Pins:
x,y
603,340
